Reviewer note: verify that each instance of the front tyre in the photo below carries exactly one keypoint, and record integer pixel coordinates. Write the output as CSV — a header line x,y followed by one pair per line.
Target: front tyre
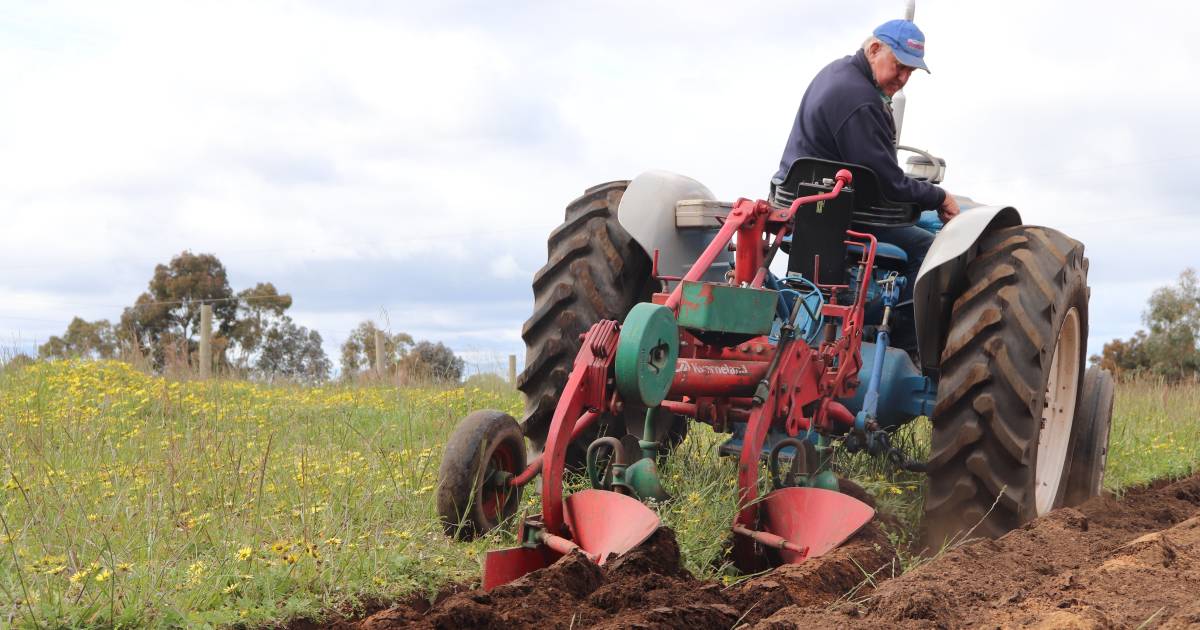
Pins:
x,y
485,450
1093,422
1010,381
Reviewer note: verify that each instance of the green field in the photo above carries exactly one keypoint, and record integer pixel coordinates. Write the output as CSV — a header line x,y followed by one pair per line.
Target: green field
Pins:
x,y
134,500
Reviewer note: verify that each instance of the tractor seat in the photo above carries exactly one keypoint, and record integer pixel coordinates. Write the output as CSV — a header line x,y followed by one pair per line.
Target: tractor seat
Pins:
x,y
868,206
817,250
887,255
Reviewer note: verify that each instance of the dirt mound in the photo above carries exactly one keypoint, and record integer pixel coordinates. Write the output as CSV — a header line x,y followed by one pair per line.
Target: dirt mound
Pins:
x,y
646,588
1105,564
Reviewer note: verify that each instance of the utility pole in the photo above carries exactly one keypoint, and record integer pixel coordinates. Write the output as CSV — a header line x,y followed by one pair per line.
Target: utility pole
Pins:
x,y
512,369
205,341
380,366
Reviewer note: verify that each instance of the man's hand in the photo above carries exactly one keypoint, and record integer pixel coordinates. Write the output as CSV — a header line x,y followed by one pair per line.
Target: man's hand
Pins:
x,y
949,208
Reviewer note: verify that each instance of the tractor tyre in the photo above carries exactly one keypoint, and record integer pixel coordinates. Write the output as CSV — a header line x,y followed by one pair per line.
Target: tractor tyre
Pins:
x,y
1093,421
485,449
1010,378
595,271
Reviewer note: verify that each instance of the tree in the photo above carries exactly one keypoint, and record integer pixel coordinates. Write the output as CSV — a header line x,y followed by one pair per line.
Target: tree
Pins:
x,y
1171,348
258,309
170,309
433,361
293,352
1173,318
88,340
358,352
1125,358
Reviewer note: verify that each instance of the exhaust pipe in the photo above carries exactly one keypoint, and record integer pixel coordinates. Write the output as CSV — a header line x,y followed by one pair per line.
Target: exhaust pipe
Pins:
x,y
899,100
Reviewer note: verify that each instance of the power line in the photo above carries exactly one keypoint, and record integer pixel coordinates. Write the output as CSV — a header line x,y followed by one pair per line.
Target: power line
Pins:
x,y
1089,169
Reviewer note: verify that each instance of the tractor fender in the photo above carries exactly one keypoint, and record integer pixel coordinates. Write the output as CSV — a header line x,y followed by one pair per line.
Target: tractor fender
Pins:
x,y
943,274
647,212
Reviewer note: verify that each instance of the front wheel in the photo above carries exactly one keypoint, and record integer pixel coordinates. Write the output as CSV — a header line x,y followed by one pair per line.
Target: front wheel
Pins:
x,y
1010,375
485,450
1093,421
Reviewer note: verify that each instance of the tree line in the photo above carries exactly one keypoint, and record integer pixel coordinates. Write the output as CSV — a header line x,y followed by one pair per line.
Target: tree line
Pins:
x,y
252,333
1169,346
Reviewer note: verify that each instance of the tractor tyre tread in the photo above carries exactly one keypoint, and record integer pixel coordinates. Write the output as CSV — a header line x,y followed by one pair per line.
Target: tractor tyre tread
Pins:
x,y
594,271
994,367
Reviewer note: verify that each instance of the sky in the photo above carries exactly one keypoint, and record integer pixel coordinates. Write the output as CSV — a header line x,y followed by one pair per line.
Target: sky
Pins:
x,y
404,161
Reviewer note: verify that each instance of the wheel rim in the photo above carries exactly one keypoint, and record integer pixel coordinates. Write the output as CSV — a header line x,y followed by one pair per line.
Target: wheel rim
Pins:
x,y
493,496
1058,414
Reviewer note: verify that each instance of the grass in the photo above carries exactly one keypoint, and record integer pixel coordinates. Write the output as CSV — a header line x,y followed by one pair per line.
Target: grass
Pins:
x,y
133,500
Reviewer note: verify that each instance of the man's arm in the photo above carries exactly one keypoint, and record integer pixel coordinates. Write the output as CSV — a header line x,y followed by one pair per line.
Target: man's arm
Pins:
x,y
865,138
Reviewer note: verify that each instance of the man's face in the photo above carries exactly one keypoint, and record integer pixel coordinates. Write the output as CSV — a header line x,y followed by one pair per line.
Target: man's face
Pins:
x,y
890,74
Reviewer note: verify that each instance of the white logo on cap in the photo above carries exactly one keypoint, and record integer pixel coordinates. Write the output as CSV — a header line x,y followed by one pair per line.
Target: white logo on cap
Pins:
x,y
916,45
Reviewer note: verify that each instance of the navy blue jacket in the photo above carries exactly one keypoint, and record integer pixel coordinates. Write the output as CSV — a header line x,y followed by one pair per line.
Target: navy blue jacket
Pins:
x,y
844,118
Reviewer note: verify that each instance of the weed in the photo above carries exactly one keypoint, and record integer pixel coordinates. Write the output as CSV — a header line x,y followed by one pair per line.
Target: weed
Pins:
x,y
135,500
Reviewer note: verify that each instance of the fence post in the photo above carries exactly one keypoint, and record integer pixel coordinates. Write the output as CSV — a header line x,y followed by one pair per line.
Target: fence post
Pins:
x,y
205,341
512,369
380,368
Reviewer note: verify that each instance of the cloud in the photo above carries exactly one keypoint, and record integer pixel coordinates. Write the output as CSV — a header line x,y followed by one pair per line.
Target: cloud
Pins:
x,y
413,156
505,267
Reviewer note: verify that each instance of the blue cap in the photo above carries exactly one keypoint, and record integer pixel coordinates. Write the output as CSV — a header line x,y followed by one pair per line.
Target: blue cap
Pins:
x,y
906,41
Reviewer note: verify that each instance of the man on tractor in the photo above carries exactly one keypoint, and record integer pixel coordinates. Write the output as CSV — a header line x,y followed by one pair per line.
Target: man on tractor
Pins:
x,y
846,116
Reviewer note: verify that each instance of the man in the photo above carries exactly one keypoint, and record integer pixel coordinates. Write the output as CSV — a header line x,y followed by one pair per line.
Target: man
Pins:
x,y
846,116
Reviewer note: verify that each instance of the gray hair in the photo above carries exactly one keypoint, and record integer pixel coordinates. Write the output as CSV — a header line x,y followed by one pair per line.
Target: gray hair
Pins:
x,y
871,40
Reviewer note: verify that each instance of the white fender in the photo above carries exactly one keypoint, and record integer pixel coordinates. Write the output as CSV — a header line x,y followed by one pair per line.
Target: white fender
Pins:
x,y
647,212
943,274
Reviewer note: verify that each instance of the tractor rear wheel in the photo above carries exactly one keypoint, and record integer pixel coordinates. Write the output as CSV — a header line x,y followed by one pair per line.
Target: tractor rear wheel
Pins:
x,y
1093,420
1010,380
595,271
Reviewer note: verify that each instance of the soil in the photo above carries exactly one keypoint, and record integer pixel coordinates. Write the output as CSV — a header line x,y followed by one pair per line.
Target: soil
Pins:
x,y
1108,563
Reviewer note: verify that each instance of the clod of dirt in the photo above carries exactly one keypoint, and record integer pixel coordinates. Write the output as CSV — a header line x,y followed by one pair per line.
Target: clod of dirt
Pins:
x,y
867,555
659,554
645,588
1105,564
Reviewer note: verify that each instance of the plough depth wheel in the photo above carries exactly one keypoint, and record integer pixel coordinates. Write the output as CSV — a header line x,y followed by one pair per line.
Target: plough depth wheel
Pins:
x,y
473,496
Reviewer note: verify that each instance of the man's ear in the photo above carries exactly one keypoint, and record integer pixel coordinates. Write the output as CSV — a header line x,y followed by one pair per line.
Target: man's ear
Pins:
x,y
873,49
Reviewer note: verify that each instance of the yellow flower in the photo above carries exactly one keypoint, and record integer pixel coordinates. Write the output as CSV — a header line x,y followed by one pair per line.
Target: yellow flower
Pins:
x,y
231,588
103,575
125,566
78,576
244,553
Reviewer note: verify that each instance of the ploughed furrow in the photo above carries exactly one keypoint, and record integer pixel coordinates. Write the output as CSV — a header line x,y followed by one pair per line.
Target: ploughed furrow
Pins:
x,y
1107,563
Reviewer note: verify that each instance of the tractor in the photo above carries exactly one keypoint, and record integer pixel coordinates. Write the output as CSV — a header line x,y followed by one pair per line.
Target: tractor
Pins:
x,y
659,306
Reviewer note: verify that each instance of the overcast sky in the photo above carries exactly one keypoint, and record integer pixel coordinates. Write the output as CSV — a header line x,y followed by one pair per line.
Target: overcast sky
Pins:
x,y
406,160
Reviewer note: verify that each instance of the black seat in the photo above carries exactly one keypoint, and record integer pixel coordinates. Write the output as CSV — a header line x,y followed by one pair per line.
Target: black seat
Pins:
x,y
806,176
817,249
